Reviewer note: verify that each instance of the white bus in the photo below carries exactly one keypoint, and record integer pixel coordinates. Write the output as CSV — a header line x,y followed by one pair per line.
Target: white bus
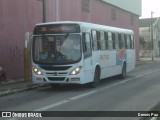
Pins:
x,y
79,53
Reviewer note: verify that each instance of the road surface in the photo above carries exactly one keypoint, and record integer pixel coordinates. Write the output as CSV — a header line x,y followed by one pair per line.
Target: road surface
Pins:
x,y
140,91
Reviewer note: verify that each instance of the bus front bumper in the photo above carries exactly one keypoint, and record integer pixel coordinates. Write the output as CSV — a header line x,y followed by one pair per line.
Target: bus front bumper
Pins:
x,y
72,79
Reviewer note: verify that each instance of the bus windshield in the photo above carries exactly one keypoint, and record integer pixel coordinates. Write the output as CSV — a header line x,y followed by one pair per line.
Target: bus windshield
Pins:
x,y
56,49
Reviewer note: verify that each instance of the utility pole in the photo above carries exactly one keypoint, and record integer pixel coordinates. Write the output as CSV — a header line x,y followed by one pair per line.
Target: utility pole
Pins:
x,y
152,36
57,10
44,10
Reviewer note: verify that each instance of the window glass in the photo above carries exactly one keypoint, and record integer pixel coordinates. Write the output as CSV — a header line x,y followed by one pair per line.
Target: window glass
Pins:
x,y
132,40
94,37
102,41
117,39
86,45
101,35
85,5
114,40
110,42
132,20
106,39
56,49
121,41
125,41
113,14
98,40
128,42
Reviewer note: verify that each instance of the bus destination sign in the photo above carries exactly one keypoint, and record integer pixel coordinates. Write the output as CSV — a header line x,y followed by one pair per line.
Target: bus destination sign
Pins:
x,y
56,29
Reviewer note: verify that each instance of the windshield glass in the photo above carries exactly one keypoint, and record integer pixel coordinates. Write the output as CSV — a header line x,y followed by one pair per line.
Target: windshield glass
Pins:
x,y
56,49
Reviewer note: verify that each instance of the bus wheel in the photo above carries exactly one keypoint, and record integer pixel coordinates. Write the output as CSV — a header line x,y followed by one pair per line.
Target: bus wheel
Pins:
x,y
123,74
96,79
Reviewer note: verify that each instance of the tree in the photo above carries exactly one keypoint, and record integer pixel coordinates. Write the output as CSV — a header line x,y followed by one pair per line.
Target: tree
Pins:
x,y
142,42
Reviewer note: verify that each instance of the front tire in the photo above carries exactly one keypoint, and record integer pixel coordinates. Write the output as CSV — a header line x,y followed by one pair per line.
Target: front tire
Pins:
x,y
96,79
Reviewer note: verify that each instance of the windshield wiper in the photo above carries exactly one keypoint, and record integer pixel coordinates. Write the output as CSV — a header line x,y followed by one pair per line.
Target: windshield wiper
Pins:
x,y
66,36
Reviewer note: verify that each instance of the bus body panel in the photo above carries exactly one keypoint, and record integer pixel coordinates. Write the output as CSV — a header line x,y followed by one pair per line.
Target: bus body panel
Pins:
x,y
55,76
88,69
130,60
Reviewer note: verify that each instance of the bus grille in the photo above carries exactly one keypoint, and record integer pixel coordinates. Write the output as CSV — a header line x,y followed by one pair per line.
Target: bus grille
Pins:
x,y
55,68
56,78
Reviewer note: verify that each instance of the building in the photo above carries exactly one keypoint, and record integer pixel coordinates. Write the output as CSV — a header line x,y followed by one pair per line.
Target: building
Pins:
x,y
146,27
20,16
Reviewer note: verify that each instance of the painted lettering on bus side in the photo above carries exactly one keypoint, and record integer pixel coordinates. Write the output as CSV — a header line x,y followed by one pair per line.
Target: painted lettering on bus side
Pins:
x,y
104,57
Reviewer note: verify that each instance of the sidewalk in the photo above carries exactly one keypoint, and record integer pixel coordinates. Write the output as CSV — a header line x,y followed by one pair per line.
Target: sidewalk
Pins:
x,y
8,86
144,61
14,86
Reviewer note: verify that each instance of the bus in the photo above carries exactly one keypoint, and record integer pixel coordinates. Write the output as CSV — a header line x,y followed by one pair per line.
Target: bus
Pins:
x,y
71,52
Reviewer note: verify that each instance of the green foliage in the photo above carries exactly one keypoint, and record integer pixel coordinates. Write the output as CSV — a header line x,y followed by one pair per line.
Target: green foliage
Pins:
x,y
142,41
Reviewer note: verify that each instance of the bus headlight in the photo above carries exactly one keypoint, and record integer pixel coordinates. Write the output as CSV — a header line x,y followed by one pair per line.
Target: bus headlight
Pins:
x,y
76,70
36,70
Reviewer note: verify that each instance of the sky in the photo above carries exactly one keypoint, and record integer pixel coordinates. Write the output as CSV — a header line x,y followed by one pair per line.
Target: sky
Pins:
x,y
148,6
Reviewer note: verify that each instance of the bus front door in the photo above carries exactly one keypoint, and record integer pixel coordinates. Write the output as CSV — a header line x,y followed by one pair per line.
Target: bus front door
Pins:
x,y
87,55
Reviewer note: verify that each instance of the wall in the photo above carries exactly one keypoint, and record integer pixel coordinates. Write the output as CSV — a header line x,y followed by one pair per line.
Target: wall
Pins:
x,y
17,17
128,5
20,16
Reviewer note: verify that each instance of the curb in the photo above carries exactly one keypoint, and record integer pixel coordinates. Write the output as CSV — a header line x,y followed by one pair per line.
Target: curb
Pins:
x,y
25,88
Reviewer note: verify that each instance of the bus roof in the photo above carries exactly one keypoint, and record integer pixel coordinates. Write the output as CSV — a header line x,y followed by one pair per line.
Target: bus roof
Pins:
x,y
91,26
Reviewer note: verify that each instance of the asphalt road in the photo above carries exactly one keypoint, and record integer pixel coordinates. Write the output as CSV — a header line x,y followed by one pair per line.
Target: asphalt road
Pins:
x,y
138,92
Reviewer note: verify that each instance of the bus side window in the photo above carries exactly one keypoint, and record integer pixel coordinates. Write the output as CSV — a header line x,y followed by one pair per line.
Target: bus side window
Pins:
x,y
102,40
106,39
125,41
114,40
110,42
131,41
98,40
128,42
119,41
94,38
87,45
122,42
